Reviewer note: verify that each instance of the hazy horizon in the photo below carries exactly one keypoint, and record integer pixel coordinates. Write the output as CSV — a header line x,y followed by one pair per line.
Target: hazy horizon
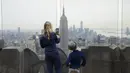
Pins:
x,y
31,14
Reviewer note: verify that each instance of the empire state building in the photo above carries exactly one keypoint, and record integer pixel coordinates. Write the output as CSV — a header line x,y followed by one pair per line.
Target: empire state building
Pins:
x,y
64,32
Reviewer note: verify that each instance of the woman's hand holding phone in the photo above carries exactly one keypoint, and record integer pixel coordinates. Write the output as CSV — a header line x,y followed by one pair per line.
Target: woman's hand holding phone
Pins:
x,y
57,32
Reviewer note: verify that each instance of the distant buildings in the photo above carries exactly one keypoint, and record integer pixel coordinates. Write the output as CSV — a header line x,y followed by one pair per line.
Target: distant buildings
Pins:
x,y
127,31
18,33
18,29
113,40
83,36
81,26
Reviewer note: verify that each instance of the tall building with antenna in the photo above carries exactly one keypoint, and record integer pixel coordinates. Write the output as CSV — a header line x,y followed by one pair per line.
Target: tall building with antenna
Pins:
x,y
64,32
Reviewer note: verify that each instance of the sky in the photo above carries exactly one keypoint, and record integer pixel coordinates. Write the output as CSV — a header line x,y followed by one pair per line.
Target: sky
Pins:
x,y
31,14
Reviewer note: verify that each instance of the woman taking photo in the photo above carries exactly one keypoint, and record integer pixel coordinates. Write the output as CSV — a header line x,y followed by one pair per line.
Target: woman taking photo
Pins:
x,y
48,40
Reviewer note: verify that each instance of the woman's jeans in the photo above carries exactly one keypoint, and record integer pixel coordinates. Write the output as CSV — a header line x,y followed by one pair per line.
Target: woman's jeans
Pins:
x,y
53,61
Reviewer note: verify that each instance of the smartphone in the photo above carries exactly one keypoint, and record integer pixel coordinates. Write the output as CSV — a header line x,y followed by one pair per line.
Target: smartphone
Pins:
x,y
57,31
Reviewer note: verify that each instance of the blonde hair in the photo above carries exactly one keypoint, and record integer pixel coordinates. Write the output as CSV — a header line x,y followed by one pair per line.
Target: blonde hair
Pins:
x,y
47,23
44,31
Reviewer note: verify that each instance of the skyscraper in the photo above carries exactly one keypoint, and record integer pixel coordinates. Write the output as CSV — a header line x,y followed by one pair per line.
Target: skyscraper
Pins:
x,y
64,32
81,25
127,31
18,29
18,33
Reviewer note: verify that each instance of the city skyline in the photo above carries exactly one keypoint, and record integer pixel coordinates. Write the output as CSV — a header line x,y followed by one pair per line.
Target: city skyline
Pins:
x,y
94,14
